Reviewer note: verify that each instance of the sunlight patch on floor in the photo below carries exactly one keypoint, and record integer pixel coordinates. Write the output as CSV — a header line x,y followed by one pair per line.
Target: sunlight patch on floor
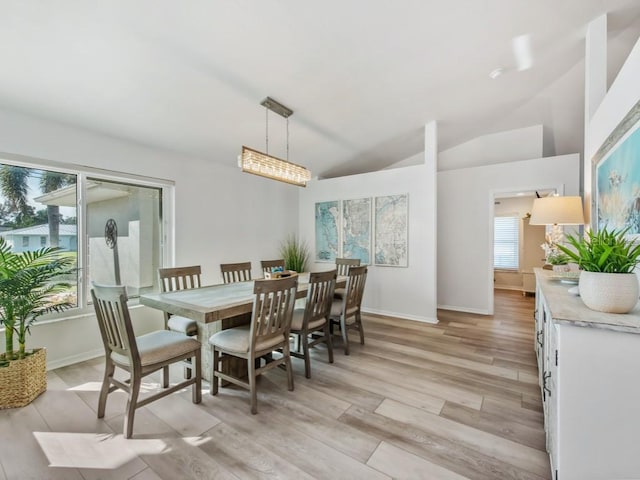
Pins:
x,y
94,450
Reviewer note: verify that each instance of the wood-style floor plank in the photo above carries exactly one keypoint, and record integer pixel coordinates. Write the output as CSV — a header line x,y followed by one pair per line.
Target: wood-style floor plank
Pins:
x,y
402,465
457,400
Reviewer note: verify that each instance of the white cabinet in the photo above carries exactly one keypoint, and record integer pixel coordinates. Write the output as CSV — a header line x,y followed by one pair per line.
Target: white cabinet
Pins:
x,y
589,372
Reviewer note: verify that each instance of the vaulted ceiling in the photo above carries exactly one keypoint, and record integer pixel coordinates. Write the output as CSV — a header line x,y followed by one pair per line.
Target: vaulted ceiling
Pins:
x,y
362,76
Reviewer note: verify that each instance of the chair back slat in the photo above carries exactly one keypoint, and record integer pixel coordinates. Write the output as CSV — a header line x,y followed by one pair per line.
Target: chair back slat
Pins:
x,y
235,272
180,278
268,265
110,304
319,296
354,289
343,265
272,310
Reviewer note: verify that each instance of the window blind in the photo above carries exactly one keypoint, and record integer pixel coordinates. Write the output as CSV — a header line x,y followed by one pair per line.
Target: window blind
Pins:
x,y
505,242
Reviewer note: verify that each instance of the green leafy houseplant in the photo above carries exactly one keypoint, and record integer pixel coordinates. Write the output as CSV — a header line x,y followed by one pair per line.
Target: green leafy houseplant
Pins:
x,y
27,285
558,258
606,251
295,254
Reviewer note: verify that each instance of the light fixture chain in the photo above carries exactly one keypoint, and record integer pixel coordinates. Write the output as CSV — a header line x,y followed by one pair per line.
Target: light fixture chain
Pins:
x,y
287,139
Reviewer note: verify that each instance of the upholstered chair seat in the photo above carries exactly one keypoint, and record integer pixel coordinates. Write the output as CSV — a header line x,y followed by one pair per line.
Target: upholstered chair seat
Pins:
x,y
183,325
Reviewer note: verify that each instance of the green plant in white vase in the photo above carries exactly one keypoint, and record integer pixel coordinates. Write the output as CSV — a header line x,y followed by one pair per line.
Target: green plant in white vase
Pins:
x,y
607,259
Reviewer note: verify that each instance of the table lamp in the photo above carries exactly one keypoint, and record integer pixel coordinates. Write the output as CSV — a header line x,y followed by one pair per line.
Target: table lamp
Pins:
x,y
556,211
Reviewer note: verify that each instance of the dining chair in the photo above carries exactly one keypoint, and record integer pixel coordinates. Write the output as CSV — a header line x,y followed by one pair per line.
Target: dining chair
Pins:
x,y
268,265
343,265
138,356
235,272
268,331
346,311
180,278
314,317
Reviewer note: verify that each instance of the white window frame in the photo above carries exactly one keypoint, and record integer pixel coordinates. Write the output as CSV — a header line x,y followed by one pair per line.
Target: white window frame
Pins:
x,y
167,238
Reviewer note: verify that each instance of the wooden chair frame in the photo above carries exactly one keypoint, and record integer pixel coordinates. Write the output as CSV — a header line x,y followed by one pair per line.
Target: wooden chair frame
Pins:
x,y
235,272
317,307
270,326
351,305
179,278
267,265
343,265
110,304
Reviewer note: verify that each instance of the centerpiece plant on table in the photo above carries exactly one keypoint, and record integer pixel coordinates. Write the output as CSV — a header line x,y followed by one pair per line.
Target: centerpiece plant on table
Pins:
x,y
607,259
295,253
28,290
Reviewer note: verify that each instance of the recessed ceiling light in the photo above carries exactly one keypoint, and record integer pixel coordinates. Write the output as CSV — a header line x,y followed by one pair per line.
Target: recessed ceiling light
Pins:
x,y
496,73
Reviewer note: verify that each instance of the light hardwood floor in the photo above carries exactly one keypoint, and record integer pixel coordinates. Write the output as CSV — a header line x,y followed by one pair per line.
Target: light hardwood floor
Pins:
x,y
450,401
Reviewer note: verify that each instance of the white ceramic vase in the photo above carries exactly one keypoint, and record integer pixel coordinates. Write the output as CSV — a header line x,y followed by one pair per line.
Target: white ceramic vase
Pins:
x,y
609,292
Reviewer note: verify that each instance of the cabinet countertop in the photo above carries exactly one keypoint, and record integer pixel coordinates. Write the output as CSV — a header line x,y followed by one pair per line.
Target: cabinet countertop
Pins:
x,y
566,308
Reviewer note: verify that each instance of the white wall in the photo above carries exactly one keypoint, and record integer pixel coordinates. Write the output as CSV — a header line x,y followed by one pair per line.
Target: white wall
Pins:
x,y
465,222
221,214
500,147
402,292
621,97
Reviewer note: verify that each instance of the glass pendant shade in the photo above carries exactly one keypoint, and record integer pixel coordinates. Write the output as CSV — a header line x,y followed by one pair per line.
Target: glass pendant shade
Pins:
x,y
258,163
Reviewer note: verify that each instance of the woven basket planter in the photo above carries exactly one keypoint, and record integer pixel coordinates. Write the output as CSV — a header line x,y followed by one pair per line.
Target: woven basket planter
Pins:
x,y
23,380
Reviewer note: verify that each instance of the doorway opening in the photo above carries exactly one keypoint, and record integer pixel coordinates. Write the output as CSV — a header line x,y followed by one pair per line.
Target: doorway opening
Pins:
x,y
517,245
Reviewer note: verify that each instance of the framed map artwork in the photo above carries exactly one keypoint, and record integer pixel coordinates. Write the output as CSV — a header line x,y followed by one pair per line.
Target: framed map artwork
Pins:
x,y
356,229
391,236
327,231
617,177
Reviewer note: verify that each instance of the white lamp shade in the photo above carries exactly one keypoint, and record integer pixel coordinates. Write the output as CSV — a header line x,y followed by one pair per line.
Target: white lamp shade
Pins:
x,y
557,211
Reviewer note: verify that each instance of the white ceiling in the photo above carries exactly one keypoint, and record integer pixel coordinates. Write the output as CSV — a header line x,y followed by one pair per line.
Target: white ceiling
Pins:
x,y
362,76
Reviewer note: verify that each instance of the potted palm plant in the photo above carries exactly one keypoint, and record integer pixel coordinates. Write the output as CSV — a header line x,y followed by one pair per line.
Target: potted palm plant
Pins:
x,y
607,259
28,290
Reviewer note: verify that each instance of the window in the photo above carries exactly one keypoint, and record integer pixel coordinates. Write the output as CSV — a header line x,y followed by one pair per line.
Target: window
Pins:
x,y
132,214
41,202
505,242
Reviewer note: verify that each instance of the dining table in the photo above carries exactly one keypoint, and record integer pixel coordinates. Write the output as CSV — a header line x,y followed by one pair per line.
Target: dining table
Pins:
x,y
217,307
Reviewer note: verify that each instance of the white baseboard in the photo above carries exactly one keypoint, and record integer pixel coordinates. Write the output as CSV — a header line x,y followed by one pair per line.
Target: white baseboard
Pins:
x,y
464,309
70,360
401,315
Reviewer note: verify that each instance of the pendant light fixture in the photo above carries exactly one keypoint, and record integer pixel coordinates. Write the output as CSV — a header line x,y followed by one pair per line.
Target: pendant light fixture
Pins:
x,y
265,165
